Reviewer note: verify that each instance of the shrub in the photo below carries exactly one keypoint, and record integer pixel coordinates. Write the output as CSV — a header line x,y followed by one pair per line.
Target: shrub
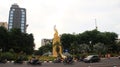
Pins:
x,y
47,58
7,55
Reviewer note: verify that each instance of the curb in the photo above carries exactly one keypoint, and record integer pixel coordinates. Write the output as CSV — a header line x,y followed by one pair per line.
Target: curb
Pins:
x,y
25,62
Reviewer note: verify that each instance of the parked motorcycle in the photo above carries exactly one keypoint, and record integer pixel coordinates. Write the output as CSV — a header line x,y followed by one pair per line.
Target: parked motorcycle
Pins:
x,y
57,60
68,60
35,62
3,61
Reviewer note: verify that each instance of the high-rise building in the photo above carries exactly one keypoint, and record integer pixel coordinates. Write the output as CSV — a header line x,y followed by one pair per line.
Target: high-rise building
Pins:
x,y
17,18
4,24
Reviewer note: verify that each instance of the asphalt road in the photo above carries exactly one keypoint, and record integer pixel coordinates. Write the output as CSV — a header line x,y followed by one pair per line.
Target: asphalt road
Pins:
x,y
112,62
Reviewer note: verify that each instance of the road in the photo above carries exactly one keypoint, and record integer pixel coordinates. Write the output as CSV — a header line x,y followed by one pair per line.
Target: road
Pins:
x,y
112,62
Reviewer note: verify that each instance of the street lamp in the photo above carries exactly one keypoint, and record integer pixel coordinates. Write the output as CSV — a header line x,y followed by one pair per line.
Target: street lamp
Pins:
x,y
91,47
90,42
0,49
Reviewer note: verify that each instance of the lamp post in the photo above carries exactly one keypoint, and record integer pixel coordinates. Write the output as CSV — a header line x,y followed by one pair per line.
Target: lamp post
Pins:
x,y
91,47
0,51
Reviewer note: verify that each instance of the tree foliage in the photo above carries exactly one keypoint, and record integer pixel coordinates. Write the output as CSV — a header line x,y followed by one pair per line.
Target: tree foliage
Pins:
x,y
16,40
44,49
3,38
89,38
88,41
100,48
67,40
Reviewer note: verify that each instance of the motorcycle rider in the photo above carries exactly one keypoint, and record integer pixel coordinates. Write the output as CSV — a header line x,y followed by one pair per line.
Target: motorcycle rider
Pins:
x,y
68,60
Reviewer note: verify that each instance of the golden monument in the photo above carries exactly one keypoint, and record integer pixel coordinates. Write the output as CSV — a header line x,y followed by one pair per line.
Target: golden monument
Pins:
x,y
57,48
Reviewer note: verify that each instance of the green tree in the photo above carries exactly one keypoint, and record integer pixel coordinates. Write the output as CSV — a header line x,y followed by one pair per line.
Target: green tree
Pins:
x,y
3,38
18,40
84,48
100,48
44,49
118,47
67,40
29,44
109,37
74,48
90,38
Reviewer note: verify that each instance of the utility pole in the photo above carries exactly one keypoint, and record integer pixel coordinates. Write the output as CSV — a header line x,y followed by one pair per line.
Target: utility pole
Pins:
x,y
96,24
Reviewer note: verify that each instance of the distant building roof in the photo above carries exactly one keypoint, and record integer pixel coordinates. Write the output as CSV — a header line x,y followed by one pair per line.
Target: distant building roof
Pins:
x,y
45,41
15,6
118,40
4,24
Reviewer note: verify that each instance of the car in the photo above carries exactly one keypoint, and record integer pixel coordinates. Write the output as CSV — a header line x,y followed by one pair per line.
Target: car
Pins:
x,y
91,59
118,57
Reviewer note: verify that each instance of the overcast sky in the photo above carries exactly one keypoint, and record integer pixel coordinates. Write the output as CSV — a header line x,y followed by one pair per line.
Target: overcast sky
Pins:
x,y
68,15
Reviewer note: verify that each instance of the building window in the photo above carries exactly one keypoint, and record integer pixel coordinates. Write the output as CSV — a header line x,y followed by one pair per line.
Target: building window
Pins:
x,y
22,25
11,21
13,9
22,21
22,30
10,27
10,24
23,12
11,18
11,12
11,15
23,15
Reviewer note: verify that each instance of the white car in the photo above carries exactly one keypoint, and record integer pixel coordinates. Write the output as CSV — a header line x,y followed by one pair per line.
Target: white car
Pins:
x,y
118,57
91,58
